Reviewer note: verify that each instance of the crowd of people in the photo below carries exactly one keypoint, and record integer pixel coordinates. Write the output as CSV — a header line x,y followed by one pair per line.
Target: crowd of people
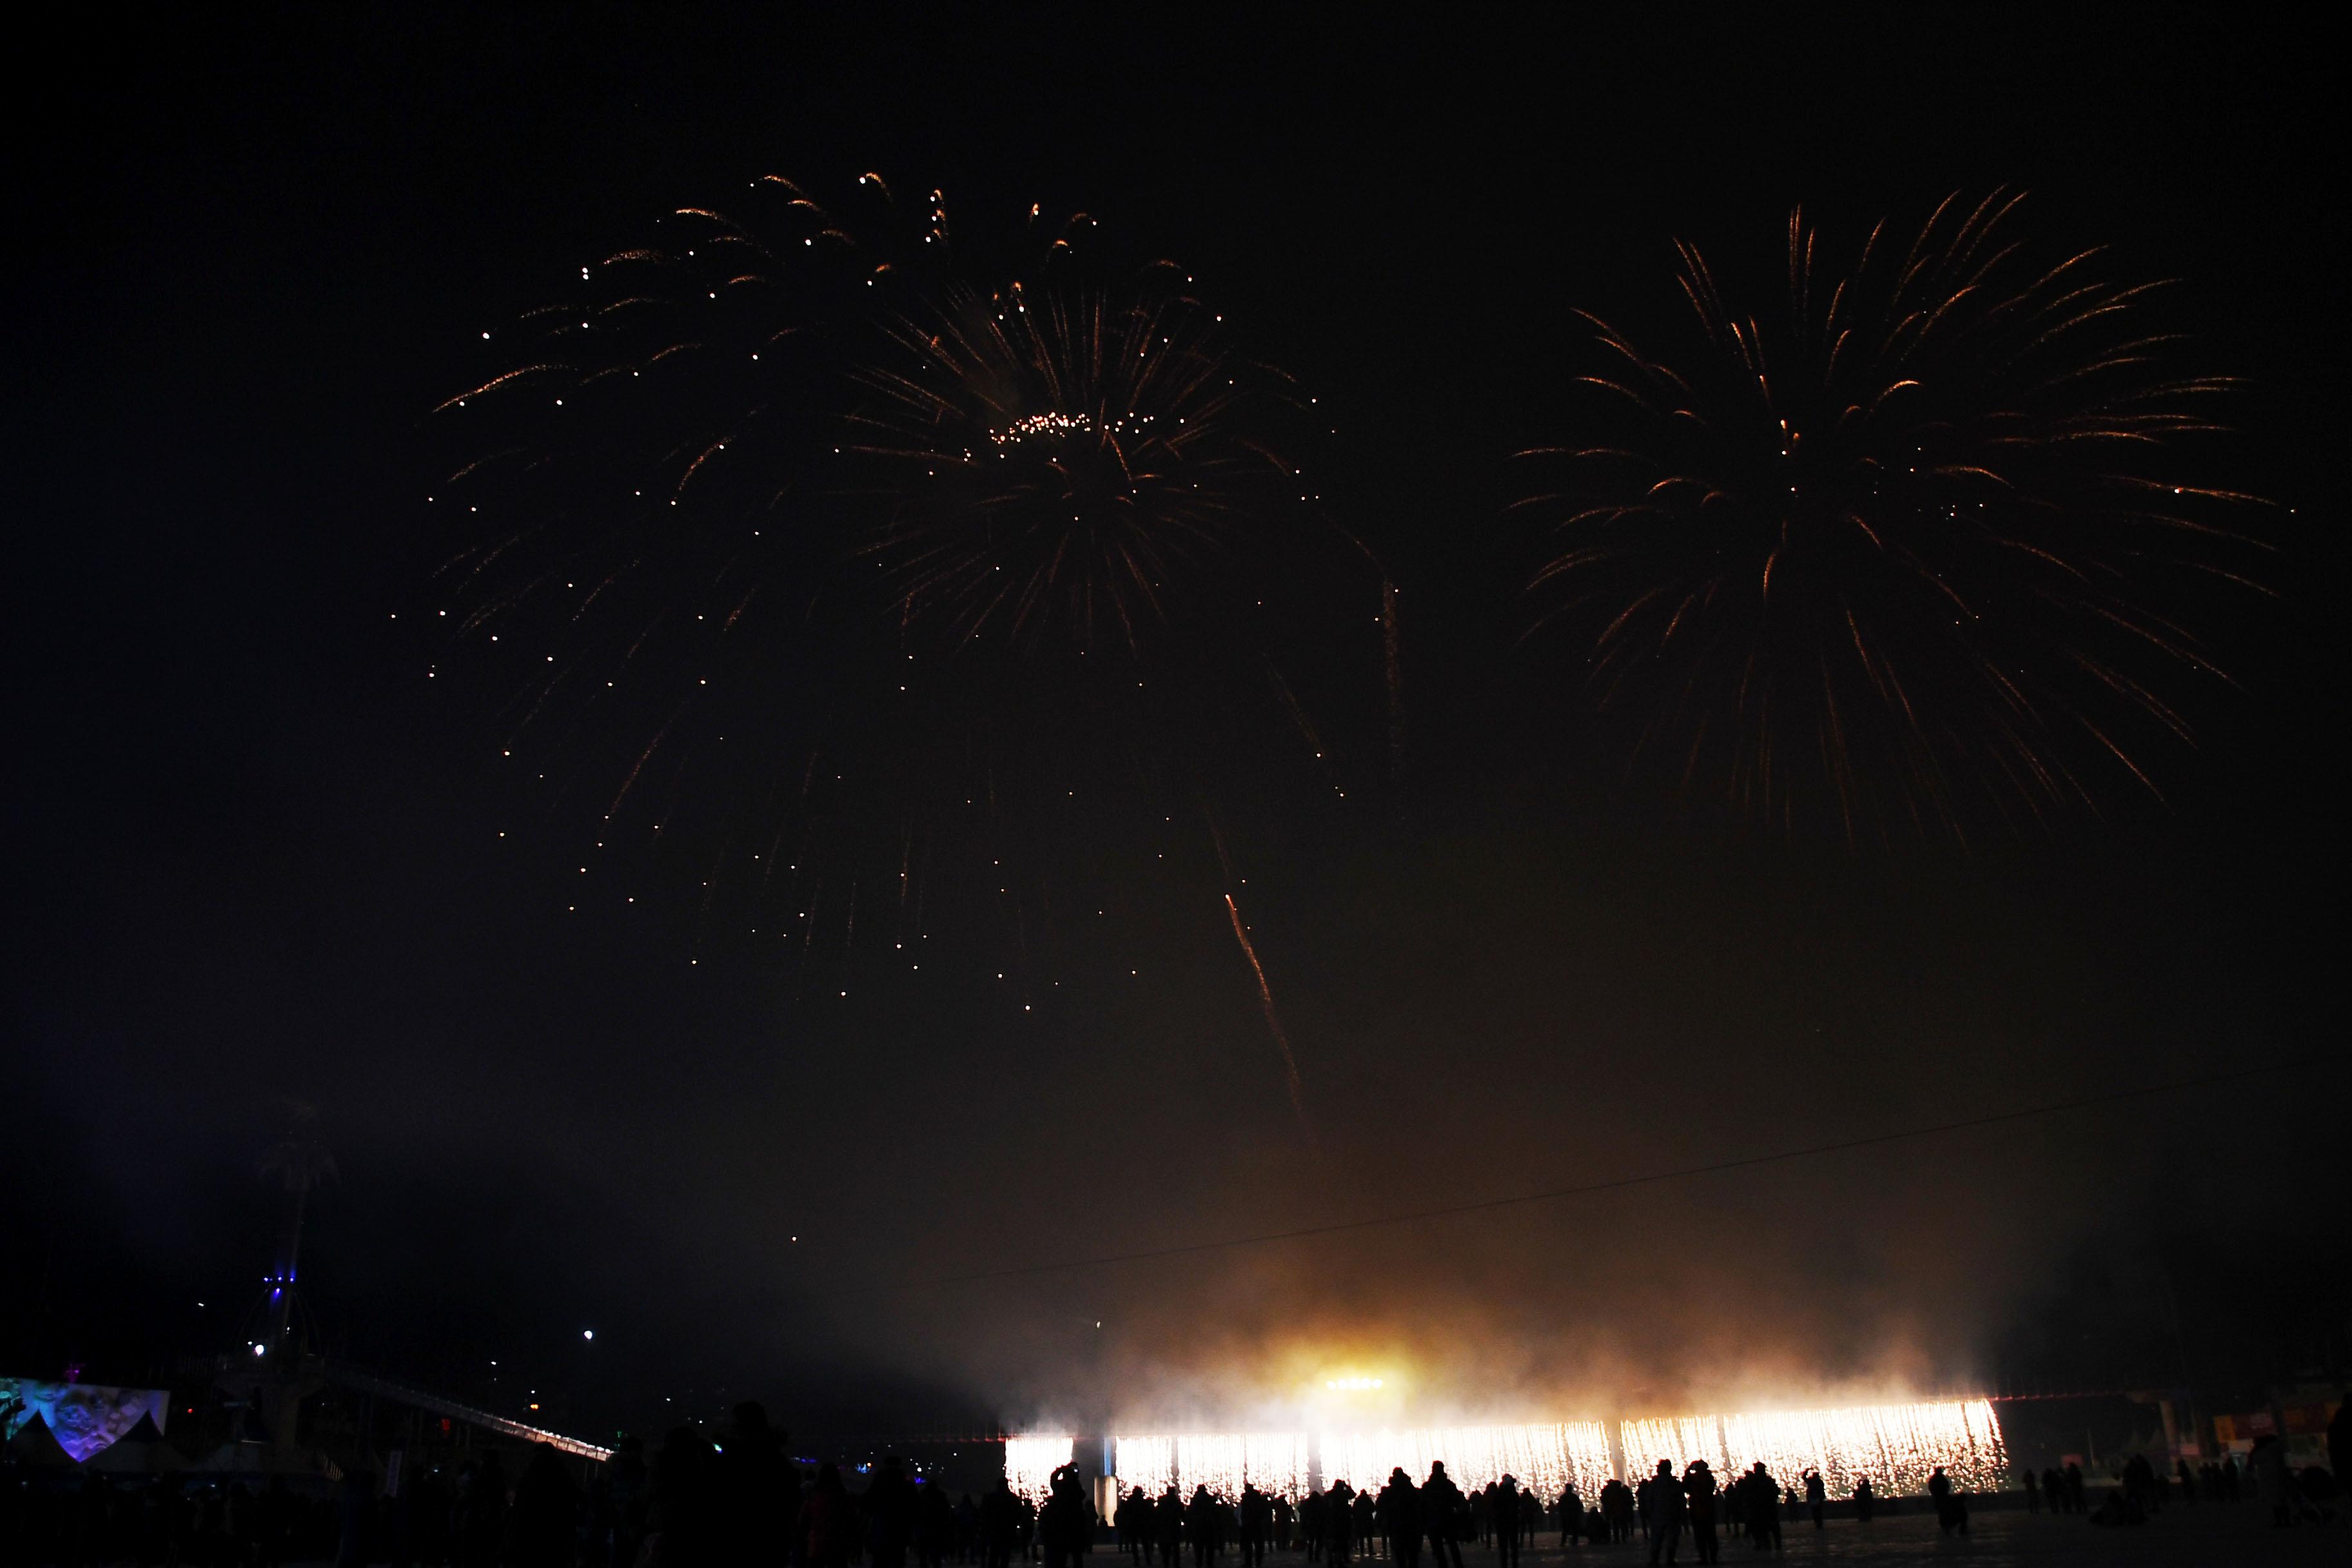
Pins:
x,y
2142,1491
1402,1519
701,1501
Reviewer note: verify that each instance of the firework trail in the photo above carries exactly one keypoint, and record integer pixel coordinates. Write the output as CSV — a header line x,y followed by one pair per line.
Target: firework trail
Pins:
x,y
1904,542
1272,1024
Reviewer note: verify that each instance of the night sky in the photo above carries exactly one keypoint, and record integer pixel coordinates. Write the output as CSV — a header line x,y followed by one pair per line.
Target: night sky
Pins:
x,y
254,854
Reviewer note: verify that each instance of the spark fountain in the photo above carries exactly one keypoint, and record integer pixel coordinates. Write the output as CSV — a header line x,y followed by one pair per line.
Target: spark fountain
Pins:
x,y
1898,1446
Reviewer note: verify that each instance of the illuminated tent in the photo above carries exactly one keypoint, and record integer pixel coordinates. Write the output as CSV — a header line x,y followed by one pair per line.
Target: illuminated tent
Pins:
x,y
83,1417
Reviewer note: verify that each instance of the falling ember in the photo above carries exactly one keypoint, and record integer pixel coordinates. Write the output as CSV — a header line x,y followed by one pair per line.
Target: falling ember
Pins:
x,y
1678,1439
1542,1456
1273,1021
1279,1464
1897,1447
1037,424
1030,1462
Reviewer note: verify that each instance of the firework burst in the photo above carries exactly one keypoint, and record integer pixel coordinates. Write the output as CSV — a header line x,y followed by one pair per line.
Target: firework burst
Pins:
x,y
878,583
1907,541
1064,459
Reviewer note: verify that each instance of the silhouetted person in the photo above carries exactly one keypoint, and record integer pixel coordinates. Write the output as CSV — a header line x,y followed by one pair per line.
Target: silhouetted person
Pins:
x,y
827,1526
1400,1514
1763,1504
1951,1513
1669,1511
2032,1492
1204,1523
1443,1510
1000,1525
1502,1519
757,1493
486,1514
1170,1514
684,1484
935,1527
632,1485
1066,1526
1338,1523
2273,1478
1865,1501
1257,1524
1617,1500
1572,1516
1132,1518
543,1528
890,1509
1699,1495
2074,1487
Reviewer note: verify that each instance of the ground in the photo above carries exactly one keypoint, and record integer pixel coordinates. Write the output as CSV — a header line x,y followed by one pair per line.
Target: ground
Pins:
x,y
2205,1537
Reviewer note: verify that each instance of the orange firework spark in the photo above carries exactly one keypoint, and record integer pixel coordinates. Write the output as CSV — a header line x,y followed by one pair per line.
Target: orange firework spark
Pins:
x,y
1903,543
1066,454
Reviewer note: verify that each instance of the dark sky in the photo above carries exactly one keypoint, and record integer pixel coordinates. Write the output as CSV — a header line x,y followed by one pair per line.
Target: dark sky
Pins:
x,y
252,853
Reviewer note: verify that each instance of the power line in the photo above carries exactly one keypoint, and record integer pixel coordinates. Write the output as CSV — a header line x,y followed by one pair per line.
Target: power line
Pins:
x,y
1619,1183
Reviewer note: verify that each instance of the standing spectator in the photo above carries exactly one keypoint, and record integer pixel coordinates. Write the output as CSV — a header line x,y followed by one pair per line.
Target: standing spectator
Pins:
x,y
1669,1507
542,1529
1699,1485
1504,1505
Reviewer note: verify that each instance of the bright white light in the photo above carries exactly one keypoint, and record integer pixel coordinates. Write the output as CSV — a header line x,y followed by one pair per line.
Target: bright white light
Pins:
x,y
1279,1464
1542,1456
1676,1439
1030,1463
1898,1446
587,1333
